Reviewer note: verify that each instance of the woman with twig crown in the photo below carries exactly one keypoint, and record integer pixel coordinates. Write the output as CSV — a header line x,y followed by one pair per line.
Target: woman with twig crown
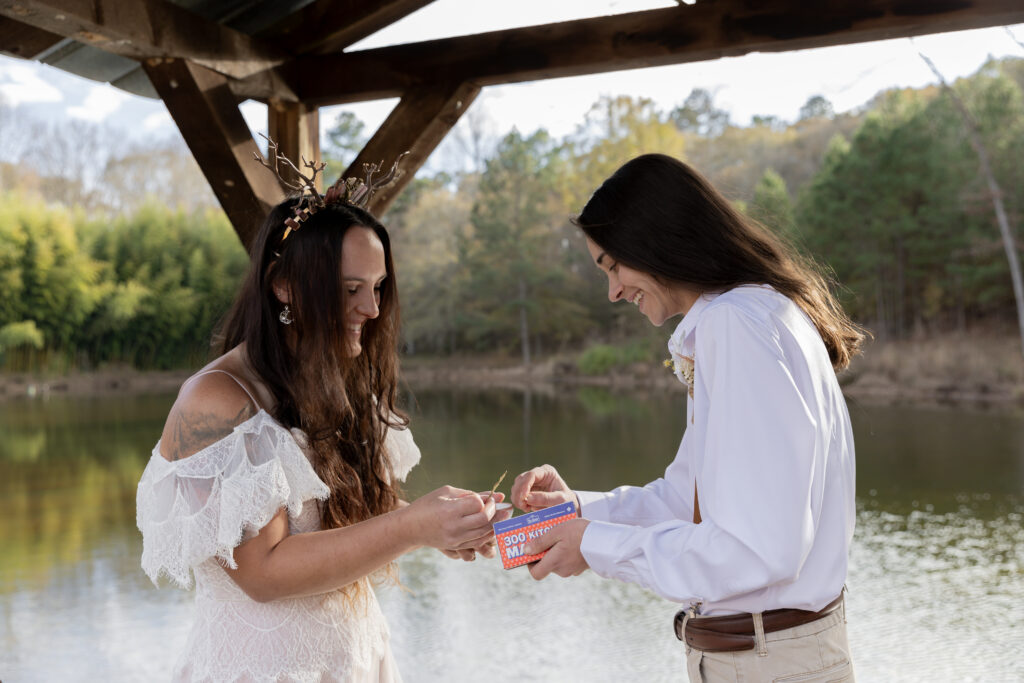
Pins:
x,y
750,527
276,478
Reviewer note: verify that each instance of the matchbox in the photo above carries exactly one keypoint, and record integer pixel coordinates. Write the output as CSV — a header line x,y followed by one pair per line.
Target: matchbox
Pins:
x,y
513,534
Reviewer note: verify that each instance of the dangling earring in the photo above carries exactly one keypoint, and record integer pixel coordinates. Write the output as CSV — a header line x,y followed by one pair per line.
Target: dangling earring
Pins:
x,y
286,316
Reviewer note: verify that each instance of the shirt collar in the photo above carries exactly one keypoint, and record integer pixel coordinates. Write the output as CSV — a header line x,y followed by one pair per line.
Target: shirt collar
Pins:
x,y
681,341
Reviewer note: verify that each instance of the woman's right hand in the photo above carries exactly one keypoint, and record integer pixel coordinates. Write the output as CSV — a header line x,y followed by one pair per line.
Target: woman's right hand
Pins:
x,y
450,519
540,488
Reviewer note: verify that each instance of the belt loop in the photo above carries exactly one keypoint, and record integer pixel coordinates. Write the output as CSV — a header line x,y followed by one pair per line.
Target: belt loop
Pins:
x,y
762,646
691,612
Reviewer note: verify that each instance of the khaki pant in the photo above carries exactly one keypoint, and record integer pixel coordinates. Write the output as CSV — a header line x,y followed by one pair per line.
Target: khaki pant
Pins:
x,y
817,652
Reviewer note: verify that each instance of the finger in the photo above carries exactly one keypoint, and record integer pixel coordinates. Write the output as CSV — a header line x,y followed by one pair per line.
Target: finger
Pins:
x,y
488,550
539,569
539,500
476,541
542,542
479,522
468,503
468,555
522,486
454,554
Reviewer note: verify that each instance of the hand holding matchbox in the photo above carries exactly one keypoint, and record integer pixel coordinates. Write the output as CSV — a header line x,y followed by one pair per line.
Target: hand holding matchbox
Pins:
x,y
512,535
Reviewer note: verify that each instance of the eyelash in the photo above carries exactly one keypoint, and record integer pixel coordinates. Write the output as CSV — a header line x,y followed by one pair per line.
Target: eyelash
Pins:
x,y
376,289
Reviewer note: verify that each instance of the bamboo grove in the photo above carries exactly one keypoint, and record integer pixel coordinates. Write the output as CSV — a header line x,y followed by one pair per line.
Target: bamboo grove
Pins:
x,y
888,198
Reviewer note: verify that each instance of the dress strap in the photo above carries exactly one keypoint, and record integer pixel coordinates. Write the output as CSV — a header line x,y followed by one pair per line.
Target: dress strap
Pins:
x,y
237,381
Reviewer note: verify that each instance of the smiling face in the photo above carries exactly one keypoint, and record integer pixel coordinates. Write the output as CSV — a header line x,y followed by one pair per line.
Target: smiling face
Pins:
x,y
363,269
657,301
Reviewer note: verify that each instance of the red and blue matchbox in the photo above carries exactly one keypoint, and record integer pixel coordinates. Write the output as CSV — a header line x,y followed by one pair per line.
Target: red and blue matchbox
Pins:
x,y
513,534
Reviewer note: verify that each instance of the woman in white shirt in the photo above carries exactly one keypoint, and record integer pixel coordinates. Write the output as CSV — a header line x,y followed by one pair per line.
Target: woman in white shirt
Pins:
x,y
276,479
750,527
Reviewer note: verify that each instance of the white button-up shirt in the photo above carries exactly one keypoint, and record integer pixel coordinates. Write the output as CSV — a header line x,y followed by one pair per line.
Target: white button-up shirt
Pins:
x,y
768,446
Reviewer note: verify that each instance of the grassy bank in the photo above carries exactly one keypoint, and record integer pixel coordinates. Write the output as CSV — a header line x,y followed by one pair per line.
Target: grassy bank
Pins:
x,y
110,381
980,368
977,367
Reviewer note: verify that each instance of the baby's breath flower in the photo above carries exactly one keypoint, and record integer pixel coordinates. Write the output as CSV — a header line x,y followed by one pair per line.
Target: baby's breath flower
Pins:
x,y
683,367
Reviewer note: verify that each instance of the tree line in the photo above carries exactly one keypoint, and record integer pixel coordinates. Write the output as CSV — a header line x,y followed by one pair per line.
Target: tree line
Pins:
x,y
887,198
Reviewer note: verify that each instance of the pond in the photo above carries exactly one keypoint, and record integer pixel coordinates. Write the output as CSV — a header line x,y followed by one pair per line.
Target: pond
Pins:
x,y
935,587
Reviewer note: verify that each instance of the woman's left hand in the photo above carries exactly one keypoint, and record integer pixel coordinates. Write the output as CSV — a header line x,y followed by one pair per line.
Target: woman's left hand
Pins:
x,y
563,545
487,548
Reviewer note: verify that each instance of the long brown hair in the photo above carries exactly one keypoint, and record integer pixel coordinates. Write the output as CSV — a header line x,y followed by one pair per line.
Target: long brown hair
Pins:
x,y
344,404
658,215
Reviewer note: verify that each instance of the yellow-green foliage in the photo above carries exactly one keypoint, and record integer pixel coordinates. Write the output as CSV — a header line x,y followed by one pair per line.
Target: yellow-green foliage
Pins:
x,y
599,359
145,289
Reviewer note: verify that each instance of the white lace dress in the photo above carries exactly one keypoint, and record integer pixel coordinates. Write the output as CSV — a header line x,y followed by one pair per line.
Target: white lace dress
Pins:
x,y
194,512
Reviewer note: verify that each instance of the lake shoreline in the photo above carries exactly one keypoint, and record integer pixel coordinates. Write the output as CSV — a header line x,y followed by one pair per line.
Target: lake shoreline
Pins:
x,y
952,371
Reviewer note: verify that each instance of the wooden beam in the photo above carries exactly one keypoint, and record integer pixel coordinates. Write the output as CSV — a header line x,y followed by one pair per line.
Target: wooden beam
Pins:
x,y
296,130
416,125
707,30
327,26
205,111
25,41
145,29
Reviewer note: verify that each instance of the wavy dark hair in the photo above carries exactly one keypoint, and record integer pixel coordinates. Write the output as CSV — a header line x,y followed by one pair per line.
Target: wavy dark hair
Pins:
x,y
344,404
658,215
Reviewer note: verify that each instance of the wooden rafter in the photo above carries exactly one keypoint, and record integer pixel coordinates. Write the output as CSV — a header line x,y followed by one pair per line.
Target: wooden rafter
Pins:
x,y
416,125
202,69
327,26
707,30
146,29
25,41
296,130
207,115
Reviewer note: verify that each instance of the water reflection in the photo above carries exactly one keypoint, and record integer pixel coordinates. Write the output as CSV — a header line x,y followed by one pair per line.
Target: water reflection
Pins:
x,y
936,579
68,469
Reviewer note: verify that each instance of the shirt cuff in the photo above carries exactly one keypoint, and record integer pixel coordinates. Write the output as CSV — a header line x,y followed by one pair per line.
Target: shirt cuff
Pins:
x,y
595,505
602,546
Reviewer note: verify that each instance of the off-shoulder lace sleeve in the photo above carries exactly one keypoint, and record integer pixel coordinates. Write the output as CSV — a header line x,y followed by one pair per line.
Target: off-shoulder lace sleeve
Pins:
x,y
201,507
404,452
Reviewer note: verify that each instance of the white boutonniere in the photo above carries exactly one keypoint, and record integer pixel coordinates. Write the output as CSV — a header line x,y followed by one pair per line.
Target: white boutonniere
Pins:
x,y
683,366
678,362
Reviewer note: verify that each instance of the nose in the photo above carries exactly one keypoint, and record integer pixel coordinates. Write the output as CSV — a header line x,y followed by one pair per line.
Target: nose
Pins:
x,y
614,288
368,305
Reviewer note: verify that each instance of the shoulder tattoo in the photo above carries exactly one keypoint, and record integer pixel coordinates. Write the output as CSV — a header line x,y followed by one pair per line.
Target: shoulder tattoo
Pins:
x,y
195,429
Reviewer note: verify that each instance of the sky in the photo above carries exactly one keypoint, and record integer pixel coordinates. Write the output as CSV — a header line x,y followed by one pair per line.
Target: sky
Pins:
x,y
775,84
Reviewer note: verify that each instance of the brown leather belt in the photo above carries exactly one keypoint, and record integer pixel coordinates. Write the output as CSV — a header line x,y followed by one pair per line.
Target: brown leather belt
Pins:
x,y
735,632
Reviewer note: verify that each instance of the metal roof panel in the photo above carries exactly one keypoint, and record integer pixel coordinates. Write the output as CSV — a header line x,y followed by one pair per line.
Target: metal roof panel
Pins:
x,y
89,62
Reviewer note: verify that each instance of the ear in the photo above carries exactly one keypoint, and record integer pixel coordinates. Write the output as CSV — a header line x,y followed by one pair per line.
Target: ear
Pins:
x,y
281,291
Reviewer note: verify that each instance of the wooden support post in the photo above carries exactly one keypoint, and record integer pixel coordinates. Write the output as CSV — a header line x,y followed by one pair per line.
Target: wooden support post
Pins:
x,y
202,105
296,130
416,125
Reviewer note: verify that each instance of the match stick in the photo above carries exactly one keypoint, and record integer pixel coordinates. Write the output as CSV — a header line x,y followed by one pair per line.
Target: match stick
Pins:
x,y
497,483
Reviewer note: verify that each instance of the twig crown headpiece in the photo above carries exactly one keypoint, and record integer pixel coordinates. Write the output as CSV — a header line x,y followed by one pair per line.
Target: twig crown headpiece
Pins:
x,y
351,190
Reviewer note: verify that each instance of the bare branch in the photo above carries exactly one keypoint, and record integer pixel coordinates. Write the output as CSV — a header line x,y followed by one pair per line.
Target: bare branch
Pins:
x,y
305,182
974,136
1013,37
